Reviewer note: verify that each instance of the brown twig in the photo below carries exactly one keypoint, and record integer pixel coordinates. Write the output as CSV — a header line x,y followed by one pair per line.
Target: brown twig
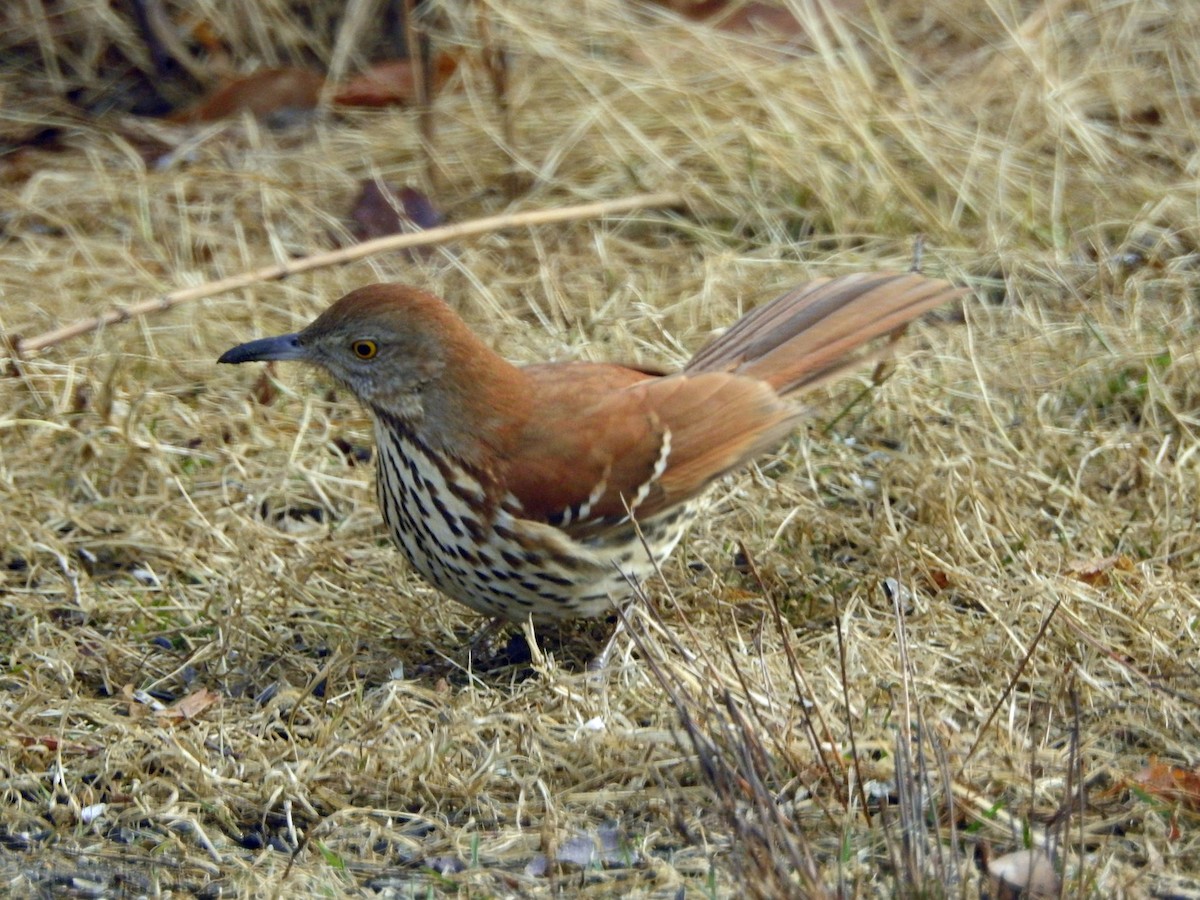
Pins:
x,y
844,678
495,61
1012,684
811,710
22,347
416,40
163,44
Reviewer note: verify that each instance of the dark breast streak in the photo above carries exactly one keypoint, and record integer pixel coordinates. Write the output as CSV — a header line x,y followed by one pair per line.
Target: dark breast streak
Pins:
x,y
483,554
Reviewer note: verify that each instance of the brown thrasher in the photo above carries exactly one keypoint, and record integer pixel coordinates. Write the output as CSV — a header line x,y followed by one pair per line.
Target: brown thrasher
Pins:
x,y
537,490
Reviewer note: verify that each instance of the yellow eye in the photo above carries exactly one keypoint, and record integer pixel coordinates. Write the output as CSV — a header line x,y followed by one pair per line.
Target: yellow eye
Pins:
x,y
364,349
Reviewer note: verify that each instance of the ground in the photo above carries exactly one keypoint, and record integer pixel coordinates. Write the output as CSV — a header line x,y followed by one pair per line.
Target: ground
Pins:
x,y
954,617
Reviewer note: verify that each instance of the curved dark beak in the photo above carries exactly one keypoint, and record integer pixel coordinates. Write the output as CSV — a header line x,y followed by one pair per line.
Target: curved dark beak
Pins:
x,y
285,346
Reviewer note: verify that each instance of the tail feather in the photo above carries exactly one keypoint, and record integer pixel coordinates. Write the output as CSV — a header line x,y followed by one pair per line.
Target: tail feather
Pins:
x,y
808,334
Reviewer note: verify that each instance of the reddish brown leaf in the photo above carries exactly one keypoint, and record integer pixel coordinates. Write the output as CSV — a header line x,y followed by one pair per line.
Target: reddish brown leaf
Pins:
x,y
938,579
263,391
383,209
197,702
391,83
377,211
1097,570
142,704
55,745
206,36
775,23
21,155
419,208
1171,783
268,92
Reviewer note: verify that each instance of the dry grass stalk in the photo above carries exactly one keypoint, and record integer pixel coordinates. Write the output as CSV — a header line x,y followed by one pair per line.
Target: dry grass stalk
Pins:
x,y
431,237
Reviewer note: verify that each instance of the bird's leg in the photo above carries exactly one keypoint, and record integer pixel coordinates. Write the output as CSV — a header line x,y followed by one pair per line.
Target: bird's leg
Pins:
x,y
600,661
520,648
484,635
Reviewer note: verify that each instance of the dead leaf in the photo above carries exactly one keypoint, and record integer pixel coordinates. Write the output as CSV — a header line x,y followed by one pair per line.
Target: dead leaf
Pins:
x,y
55,745
264,391
579,851
602,847
445,865
267,93
189,707
141,704
391,83
1096,571
938,579
538,866
419,208
204,34
24,153
1025,874
775,24
1173,784
382,209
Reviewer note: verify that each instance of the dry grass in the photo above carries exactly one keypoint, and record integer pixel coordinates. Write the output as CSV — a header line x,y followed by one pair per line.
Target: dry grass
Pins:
x,y
787,726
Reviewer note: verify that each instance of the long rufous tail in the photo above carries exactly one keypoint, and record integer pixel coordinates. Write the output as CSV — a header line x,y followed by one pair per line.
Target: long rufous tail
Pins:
x,y
810,334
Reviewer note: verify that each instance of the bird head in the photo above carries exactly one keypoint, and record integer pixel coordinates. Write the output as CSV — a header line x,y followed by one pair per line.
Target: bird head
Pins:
x,y
387,343
405,354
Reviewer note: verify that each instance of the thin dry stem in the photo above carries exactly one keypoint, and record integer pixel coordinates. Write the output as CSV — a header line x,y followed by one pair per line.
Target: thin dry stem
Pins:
x,y
441,235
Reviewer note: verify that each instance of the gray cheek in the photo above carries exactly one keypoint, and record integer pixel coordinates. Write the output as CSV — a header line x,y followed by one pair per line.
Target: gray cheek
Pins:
x,y
411,407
